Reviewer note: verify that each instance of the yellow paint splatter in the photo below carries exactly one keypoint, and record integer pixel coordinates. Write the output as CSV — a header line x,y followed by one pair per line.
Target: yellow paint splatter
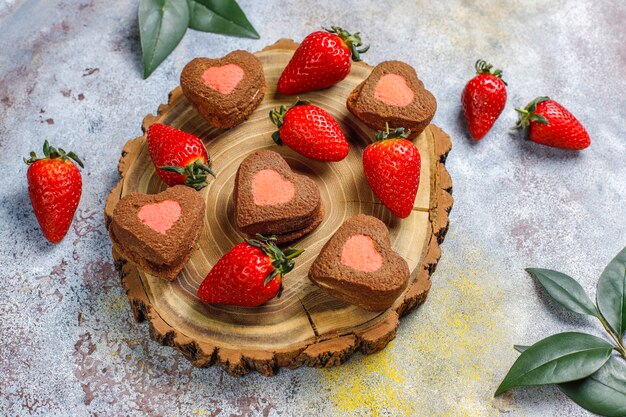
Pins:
x,y
448,357
114,303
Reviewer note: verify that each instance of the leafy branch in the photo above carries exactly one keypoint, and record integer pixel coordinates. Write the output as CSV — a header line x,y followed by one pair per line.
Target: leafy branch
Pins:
x,y
163,23
583,366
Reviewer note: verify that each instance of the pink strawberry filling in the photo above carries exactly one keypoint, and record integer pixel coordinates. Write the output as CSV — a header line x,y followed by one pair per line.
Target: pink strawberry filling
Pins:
x,y
270,188
360,253
161,216
392,89
223,79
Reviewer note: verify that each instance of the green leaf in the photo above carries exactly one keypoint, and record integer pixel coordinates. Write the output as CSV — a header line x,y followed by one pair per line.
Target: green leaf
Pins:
x,y
520,348
220,16
559,358
565,290
611,294
602,393
162,24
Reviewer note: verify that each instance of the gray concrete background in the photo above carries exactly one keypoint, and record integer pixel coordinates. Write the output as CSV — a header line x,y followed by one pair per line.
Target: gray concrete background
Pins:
x,y
70,72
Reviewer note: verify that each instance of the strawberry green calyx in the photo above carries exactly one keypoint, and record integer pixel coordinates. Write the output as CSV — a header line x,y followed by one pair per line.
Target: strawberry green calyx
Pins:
x,y
195,173
277,116
282,261
527,114
50,152
353,42
398,133
483,67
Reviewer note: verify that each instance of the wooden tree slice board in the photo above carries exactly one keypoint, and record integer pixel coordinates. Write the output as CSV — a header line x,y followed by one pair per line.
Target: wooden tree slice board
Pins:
x,y
304,326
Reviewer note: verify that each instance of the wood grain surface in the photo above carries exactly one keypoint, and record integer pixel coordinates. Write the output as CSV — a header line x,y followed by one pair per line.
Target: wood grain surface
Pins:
x,y
305,326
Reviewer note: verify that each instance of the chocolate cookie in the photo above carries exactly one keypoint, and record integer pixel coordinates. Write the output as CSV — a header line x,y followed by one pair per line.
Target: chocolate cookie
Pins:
x,y
158,232
358,265
271,199
225,91
393,94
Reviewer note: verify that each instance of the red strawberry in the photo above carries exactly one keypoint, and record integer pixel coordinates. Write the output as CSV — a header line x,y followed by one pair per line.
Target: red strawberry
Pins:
x,y
392,169
321,60
483,99
551,124
54,186
310,131
248,275
180,158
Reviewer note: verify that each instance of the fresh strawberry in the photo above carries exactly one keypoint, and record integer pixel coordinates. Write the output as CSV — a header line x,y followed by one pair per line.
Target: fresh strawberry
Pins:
x,y
248,275
392,169
483,99
180,158
54,186
310,131
551,124
321,60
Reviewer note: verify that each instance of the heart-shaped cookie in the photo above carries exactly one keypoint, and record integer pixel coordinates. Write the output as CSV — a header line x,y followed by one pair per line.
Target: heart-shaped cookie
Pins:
x,y
393,94
158,231
358,265
271,199
226,90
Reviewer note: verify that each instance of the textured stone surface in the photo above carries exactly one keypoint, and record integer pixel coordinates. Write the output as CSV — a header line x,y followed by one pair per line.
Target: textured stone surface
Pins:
x,y
70,72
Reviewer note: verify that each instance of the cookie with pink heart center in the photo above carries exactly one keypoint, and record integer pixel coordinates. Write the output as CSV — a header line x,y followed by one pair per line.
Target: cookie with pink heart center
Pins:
x,y
271,199
158,232
224,91
393,94
357,265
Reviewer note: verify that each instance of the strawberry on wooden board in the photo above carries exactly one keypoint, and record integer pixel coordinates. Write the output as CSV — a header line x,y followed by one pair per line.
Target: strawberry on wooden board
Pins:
x,y
54,186
551,124
483,99
179,157
310,131
248,275
321,60
392,169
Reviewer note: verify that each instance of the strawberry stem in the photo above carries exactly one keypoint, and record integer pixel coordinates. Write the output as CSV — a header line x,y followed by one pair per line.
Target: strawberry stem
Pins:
x,y
277,114
527,114
351,41
195,173
50,152
398,133
283,262
483,67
